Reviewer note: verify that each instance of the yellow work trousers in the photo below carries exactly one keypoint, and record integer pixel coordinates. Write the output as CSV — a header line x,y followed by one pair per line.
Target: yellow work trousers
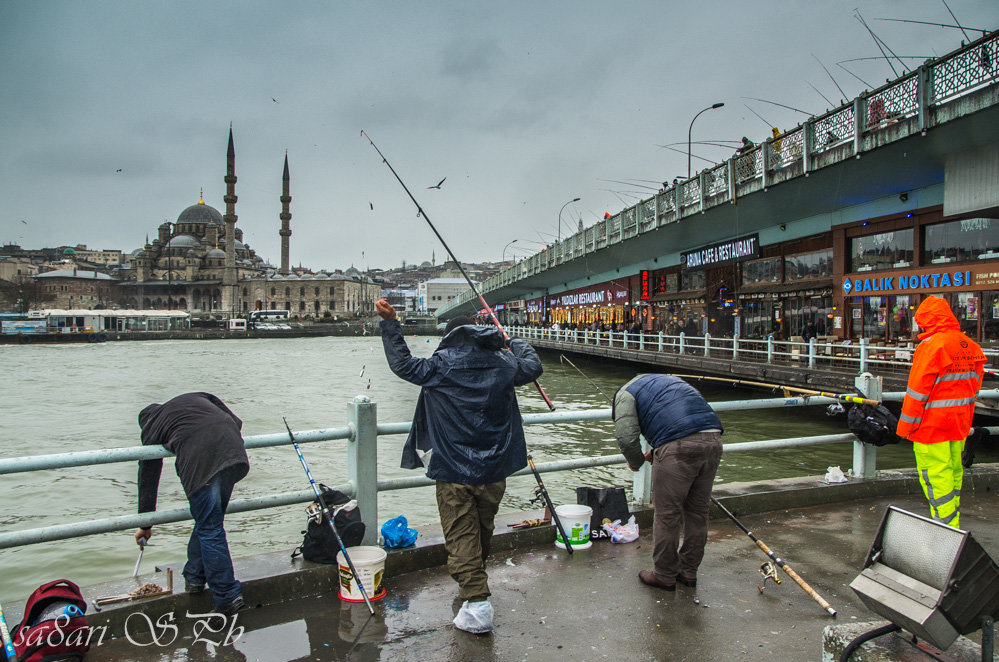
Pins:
x,y
941,475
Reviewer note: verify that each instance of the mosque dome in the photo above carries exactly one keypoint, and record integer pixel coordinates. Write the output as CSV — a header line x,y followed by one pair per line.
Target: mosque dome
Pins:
x,y
200,213
215,253
183,241
69,251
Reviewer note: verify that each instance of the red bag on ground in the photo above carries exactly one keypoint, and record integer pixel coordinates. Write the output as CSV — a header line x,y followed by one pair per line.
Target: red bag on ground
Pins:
x,y
54,626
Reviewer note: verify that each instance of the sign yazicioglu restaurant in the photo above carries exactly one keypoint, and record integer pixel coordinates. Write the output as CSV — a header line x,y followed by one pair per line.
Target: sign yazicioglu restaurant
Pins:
x,y
608,294
933,280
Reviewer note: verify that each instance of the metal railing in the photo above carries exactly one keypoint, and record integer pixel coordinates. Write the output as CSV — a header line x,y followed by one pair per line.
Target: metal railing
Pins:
x,y
894,111
862,356
361,436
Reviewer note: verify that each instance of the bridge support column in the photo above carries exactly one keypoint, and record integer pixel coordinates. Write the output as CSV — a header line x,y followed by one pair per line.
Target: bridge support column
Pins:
x,y
865,456
362,462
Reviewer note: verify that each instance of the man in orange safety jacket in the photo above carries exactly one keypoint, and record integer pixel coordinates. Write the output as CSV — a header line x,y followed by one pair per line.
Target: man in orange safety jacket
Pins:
x,y
946,375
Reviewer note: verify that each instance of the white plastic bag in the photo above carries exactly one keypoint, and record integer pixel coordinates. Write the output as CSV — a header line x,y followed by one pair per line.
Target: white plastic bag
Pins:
x,y
622,532
835,475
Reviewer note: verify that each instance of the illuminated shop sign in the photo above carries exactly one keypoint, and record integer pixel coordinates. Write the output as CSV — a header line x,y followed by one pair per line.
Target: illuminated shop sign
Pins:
x,y
727,251
534,306
928,282
608,294
645,285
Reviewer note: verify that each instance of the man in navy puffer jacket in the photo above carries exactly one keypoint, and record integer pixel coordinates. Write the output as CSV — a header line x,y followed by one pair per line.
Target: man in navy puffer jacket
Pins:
x,y
685,435
467,415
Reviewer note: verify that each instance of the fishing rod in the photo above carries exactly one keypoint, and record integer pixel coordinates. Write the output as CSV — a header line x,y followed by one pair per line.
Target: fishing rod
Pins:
x,y
774,103
327,513
776,559
564,359
831,104
542,492
769,125
939,25
475,290
828,73
735,382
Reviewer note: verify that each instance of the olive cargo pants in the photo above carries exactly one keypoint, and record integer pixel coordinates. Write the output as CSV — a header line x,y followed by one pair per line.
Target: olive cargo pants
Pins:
x,y
468,513
683,472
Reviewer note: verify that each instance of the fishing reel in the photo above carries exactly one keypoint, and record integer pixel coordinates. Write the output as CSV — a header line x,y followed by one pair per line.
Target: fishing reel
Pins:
x,y
834,409
315,511
539,496
769,572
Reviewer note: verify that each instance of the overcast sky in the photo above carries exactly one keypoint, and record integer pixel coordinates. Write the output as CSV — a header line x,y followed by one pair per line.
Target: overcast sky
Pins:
x,y
113,115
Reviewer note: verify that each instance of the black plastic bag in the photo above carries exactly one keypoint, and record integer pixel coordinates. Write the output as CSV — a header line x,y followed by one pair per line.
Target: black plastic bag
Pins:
x,y
873,424
608,504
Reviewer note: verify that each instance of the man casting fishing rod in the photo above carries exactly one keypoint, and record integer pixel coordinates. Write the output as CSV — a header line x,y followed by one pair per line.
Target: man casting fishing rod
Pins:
x,y
467,415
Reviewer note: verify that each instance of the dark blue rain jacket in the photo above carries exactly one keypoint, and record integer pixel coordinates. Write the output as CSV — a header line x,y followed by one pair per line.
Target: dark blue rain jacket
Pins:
x,y
467,411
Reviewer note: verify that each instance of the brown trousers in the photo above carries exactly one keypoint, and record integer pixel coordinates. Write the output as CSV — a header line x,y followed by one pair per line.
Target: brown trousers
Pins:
x,y
468,513
683,472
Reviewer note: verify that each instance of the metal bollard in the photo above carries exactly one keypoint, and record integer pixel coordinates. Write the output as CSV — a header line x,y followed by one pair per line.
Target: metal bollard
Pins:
x,y
362,462
865,456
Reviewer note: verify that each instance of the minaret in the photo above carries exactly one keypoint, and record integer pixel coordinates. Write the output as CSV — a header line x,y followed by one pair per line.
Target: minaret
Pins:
x,y
229,275
285,216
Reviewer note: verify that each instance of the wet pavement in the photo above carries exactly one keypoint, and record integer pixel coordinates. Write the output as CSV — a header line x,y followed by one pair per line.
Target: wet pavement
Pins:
x,y
590,606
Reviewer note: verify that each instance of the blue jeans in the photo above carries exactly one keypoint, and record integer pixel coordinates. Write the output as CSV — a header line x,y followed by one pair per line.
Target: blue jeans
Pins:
x,y
208,559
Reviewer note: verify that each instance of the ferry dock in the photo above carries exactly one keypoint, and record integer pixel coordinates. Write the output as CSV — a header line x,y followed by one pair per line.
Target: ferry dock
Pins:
x,y
590,606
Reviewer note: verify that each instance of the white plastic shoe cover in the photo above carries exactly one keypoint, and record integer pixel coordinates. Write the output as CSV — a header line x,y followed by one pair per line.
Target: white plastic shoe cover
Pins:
x,y
475,617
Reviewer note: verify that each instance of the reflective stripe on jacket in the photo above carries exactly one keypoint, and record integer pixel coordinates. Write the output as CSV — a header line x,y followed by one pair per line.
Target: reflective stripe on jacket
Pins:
x,y
946,374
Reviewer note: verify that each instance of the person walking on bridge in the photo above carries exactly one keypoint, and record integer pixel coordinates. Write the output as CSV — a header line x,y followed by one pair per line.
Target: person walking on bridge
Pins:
x,y
205,436
946,374
467,415
685,435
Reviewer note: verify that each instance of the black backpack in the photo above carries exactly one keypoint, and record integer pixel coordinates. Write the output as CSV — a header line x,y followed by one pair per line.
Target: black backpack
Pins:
x,y
319,545
873,424
608,504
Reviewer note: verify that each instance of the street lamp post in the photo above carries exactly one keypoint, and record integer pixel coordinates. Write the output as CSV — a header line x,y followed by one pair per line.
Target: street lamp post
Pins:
x,y
560,216
691,128
506,247
169,268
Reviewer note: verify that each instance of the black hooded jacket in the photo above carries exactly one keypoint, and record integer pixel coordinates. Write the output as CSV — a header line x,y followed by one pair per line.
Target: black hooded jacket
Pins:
x,y
467,412
204,435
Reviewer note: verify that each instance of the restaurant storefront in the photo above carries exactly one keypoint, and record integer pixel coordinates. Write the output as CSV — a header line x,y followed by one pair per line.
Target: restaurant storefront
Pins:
x,y
890,265
607,303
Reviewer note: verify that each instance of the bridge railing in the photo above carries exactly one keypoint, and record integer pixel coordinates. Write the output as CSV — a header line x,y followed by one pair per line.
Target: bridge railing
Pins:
x,y
862,356
864,123
361,436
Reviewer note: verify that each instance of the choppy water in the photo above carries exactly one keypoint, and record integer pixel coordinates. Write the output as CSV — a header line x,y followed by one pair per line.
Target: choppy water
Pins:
x,y
61,398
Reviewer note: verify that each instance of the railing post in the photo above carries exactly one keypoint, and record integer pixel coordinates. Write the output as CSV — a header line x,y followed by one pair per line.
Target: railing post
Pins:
x,y
362,462
770,349
859,109
735,347
924,95
683,337
811,352
865,344
707,344
865,456
641,340
642,484
660,342
808,146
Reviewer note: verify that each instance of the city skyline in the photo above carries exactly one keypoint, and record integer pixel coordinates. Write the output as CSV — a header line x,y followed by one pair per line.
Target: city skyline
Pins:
x,y
496,117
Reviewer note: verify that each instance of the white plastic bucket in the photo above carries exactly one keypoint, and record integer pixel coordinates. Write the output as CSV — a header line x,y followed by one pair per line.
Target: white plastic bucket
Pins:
x,y
370,565
576,522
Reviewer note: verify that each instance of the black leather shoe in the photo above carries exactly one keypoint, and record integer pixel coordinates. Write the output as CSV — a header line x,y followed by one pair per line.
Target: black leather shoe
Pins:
x,y
233,607
649,578
686,582
193,588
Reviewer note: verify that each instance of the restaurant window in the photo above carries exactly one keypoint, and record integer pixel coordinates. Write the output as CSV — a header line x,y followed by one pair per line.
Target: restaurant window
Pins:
x,y
665,283
693,280
761,271
959,241
887,250
808,265
757,318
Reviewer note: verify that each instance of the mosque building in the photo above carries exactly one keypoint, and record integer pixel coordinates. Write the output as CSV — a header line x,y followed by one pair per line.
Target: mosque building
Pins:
x,y
200,264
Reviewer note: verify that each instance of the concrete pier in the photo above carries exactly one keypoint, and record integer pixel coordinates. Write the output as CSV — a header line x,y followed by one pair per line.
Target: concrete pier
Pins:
x,y
590,606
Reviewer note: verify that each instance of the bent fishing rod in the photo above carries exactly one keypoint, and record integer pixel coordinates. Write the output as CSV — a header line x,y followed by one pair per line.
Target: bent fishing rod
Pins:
x,y
565,359
776,559
475,290
805,391
328,515
542,491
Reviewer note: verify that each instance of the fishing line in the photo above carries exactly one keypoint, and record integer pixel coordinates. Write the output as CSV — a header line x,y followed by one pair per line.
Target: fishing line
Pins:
x,y
564,359
475,290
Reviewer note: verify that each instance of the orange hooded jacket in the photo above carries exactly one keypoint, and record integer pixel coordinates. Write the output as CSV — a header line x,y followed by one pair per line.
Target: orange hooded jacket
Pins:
x,y
946,375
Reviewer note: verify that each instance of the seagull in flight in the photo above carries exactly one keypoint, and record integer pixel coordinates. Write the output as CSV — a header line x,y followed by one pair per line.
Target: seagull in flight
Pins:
x,y
275,100
118,170
24,221
372,206
438,186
